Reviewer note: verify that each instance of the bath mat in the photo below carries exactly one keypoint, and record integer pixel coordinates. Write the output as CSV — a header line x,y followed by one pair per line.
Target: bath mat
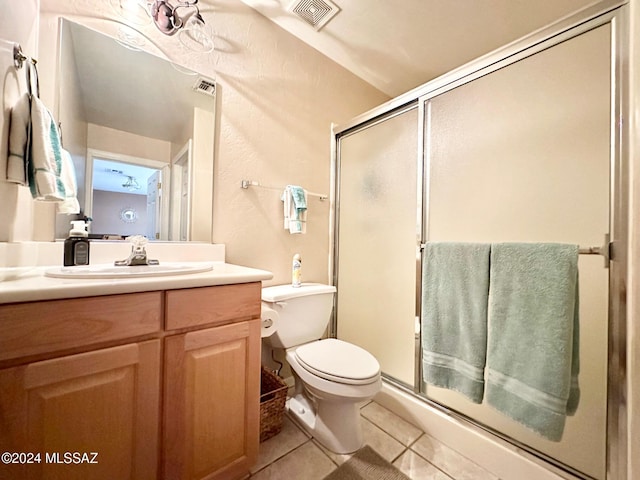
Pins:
x,y
366,464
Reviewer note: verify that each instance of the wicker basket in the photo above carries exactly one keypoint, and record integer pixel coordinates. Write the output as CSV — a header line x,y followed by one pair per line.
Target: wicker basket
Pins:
x,y
273,395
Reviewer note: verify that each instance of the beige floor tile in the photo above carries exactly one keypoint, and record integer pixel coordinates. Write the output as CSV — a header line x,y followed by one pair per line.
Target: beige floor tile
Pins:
x,y
291,454
391,423
306,462
337,458
450,461
289,438
417,468
388,447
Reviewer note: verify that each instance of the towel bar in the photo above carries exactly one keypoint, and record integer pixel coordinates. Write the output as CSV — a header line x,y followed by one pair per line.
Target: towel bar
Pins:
x,y
604,250
252,183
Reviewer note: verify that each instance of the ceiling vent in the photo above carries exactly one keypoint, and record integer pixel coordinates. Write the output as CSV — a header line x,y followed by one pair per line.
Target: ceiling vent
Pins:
x,y
206,86
315,12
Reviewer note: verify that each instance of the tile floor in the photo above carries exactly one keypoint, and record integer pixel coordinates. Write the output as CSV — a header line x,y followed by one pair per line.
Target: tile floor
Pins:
x,y
293,454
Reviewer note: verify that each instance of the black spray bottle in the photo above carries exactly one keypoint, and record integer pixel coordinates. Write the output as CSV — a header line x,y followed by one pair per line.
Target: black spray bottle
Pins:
x,y
76,247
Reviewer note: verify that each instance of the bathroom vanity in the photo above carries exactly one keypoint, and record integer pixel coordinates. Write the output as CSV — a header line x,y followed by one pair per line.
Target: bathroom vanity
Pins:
x,y
150,378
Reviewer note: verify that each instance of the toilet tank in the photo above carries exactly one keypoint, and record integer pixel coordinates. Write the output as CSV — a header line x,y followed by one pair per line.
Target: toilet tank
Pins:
x,y
303,312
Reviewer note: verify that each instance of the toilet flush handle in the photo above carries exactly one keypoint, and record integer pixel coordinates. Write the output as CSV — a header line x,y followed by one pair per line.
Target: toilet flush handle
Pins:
x,y
281,304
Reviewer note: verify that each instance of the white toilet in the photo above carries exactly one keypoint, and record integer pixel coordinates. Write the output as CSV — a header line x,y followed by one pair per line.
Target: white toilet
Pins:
x,y
331,376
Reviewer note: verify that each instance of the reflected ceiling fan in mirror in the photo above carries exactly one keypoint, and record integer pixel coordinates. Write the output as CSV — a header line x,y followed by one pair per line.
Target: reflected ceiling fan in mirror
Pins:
x,y
114,176
131,183
182,17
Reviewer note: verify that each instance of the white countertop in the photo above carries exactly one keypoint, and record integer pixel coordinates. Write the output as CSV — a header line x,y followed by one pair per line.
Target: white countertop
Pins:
x,y
27,284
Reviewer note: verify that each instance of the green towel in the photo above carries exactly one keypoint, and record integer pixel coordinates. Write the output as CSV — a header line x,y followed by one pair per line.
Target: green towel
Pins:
x,y
533,342
295,209
299,197
455,286
45,166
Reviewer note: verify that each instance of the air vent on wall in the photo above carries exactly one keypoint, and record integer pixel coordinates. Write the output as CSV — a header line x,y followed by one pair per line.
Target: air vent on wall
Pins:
x,y
206,86
315,12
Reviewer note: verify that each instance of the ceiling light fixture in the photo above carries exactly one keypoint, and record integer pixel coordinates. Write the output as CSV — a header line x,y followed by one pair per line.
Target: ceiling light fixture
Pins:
x,y
166,18
184,18
194,33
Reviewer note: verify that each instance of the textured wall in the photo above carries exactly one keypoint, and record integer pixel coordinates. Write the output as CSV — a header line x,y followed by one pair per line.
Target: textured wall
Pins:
x,y
276,101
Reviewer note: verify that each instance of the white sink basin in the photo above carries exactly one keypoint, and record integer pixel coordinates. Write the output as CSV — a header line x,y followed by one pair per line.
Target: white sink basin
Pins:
x,y
111,271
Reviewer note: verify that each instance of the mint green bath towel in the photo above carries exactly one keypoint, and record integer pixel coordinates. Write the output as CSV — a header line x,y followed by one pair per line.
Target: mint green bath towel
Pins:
x,y
455,287
533,341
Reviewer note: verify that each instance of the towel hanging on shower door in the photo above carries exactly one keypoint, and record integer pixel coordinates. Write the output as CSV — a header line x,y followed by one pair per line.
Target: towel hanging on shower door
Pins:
x,y
455,290
533,350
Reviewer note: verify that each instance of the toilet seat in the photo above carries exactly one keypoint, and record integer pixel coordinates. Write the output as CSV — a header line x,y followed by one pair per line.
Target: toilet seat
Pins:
x,y
338,361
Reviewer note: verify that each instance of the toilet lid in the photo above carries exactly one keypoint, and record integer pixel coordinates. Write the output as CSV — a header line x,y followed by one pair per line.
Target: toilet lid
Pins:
x,y
338,361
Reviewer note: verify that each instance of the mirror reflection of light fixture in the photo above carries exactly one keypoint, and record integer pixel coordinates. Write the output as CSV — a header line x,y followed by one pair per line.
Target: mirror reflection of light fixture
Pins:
x,y
131,183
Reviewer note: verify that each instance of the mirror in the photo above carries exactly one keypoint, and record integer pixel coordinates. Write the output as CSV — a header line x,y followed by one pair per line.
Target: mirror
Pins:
x,y
140,131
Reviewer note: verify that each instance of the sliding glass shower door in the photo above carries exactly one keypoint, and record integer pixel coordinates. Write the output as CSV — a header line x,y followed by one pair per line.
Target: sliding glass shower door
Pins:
x,y
519,153
523,155
378,196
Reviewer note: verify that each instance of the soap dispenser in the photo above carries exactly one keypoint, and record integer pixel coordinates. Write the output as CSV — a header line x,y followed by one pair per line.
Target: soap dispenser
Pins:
x,y
76,247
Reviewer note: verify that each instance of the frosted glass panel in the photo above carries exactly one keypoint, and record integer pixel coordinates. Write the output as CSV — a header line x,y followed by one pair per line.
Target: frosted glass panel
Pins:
x,y
522,155
377,245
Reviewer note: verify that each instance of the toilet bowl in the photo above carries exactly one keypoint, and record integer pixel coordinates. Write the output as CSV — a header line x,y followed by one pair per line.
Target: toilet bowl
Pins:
x,y
332,377
334,417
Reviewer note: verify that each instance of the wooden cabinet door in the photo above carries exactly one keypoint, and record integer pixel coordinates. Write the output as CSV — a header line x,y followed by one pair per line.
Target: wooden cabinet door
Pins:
x,y
104,402
211,402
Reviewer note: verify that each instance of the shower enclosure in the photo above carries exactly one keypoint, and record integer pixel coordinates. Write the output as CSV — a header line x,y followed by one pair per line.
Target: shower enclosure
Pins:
x,y
520,146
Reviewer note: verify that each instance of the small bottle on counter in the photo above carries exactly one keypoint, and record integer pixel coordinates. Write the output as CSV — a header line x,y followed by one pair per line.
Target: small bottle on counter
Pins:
x,y
76,247
296,271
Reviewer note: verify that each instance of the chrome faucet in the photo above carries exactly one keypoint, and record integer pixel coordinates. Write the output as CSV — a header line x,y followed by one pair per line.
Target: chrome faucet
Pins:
x,y
138,255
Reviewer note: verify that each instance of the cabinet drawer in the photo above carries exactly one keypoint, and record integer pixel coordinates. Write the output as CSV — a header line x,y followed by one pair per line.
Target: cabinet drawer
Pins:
x,y
212,305
35,328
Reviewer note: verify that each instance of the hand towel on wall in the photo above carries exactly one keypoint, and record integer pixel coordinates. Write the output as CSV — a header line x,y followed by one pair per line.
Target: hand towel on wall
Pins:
x,y
455,292
533,342
295,209
45,167
36,157
20,129
19,140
